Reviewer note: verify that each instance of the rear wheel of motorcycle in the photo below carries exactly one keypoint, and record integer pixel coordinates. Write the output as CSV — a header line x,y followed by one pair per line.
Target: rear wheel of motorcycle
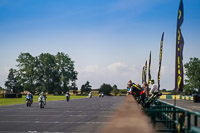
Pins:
x,y
40,104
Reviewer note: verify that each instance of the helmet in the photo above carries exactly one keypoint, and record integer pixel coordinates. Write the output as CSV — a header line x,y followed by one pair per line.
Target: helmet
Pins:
x,y
129,82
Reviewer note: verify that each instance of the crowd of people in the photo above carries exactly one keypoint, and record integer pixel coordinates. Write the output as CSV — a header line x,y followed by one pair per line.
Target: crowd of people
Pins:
x,y
142,93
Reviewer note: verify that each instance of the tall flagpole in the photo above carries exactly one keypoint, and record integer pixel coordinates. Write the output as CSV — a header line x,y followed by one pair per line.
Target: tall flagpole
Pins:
x,y
179,53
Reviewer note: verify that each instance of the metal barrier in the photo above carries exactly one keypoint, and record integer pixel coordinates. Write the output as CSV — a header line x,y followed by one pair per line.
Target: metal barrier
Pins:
x,y
176,119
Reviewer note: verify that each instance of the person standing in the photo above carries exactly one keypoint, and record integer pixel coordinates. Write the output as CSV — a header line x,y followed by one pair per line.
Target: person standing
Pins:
x,y
145,87
154,88
129,87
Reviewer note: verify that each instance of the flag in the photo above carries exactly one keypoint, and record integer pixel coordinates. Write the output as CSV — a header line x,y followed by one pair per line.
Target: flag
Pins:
x,y
145,72
149,70
143,80
160,60
179,51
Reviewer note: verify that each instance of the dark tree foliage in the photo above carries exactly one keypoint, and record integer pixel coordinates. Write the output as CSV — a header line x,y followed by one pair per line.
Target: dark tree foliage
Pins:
x,y
192,71
46,72
86,87
106,89
14,83
74,87
115,90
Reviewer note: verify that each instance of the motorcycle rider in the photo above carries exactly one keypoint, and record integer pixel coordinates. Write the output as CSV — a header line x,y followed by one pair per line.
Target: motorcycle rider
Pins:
x,y
102,95
43,96
67,96
29,97
136,91
90,94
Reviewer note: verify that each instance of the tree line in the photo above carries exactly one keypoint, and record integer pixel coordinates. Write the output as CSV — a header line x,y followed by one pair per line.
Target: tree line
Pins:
x,y
107,89
54,74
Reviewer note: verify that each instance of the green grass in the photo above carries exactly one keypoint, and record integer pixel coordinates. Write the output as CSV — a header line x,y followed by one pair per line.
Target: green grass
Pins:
x,y
12,101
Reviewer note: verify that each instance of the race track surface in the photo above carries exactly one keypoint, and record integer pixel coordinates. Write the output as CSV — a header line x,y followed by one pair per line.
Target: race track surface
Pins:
x,y
86,115
190,105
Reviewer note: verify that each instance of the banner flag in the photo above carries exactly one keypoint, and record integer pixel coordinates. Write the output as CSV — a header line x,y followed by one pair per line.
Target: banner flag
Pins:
x,y
179,51
149,71
160,60
145,72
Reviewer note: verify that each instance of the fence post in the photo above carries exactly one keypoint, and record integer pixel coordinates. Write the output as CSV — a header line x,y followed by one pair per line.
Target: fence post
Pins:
x,y
188,121
195,121
181,120
174,119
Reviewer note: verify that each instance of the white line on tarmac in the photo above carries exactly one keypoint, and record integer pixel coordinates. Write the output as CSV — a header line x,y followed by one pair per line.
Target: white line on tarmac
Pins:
x,y
59,115
40,132
54,122
42,111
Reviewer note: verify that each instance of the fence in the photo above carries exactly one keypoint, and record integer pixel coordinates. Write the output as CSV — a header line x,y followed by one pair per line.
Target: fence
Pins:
x,y
176,119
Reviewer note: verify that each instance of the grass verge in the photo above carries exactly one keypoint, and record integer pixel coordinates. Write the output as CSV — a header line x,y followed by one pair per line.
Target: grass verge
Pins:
x,y
12,101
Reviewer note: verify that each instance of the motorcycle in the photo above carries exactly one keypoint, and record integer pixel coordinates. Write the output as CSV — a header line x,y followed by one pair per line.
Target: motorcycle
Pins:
x,y
42,101
28,102
148,101
101,95
67,97
90,95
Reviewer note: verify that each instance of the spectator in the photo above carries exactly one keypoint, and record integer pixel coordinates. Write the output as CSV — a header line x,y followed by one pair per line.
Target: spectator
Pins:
x,y
145,87
154,88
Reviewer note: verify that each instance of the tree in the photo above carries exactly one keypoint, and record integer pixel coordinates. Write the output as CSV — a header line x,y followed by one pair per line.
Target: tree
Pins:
x,y
13,81
74,88
45,72
192,71
26,72
164,90
105,88
115,90
123,91
66,71
86,87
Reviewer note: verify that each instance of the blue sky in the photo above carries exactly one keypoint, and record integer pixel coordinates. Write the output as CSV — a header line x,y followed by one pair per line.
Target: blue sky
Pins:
x,y
108,40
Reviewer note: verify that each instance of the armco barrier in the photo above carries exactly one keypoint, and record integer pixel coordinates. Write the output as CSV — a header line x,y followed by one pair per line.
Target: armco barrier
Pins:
x,y
176,119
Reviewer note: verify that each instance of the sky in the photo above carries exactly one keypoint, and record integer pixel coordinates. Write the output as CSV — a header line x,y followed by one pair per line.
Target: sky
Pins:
x,y
109,40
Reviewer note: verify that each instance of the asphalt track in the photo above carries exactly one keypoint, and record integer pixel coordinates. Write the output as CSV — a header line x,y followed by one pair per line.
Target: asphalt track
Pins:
x,y
86,115
190,105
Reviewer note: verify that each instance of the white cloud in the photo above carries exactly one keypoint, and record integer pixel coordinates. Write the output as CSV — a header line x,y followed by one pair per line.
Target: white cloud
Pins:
x,y
119,73
116,73
118,66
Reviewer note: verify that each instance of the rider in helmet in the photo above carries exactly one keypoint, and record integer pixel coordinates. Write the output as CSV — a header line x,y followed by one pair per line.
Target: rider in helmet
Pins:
x,y
137,91
43,95
28,96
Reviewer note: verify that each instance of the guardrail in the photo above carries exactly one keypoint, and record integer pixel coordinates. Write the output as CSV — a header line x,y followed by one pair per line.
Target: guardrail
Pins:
x,y
175,118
